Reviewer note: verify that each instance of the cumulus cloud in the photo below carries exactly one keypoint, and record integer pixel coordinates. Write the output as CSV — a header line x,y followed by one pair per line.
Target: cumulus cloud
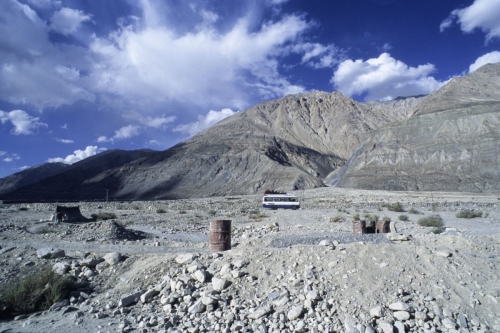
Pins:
x,y
11,158
125,132
488,58
64,140
203,122
24,167
23,123
32,69
205,67
482,14
66,21
384,78
78,155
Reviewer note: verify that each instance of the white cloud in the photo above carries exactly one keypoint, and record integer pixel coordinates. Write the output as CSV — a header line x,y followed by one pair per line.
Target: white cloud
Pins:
x,y
482,14
66,21
11,158
44,3
205,67
488,58
125,132
318,55
64,140
156,122
78,155
24,167
2,153
32,69
203,122
23,123
384,78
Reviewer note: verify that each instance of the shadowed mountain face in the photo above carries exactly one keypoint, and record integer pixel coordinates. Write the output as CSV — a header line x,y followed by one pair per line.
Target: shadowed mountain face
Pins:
x,y
291,143
451,142
30,176
79,181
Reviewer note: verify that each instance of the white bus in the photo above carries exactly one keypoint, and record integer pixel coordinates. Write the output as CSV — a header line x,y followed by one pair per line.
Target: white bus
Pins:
x,y
275,201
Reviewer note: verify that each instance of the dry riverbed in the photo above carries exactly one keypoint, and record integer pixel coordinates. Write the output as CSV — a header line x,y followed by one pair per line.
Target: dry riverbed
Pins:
x,y
277,278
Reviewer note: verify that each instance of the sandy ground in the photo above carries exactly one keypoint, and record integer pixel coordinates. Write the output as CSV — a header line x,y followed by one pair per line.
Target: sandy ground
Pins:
x,y
277,247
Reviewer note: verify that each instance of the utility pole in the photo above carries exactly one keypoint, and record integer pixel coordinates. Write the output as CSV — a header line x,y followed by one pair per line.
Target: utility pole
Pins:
x,y
107,195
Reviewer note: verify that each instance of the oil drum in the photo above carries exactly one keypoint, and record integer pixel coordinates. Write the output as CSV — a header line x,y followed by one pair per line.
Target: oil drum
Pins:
x,y
220,235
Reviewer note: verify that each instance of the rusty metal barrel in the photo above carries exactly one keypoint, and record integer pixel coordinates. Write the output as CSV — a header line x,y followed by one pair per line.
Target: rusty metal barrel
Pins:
x,y
383,227
359,227
220,235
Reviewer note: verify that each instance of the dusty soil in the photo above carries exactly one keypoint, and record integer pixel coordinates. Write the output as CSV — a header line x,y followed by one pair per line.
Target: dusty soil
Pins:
x,y
453,275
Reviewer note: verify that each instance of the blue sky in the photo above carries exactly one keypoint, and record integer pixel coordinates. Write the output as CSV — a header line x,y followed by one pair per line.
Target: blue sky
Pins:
x,y
81,76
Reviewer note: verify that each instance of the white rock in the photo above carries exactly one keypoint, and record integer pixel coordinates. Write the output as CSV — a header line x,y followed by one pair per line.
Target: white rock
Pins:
x,y
401,315
295,312
50,253
260,312
184,258
449,323
386,327
200,276
397,237
400,306
148,295
113,258
61,268
219,283
129,299
377,311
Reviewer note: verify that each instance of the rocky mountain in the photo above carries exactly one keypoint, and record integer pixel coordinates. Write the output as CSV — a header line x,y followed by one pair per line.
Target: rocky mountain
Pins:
x,y
78,181
291,143
450,142
29,176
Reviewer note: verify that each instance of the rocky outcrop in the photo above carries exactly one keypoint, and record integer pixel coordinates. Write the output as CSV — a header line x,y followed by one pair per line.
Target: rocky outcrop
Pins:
x,y
451,142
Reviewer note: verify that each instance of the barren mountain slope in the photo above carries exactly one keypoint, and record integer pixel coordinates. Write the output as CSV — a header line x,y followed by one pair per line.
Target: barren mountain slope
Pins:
x,y
290,143
79,181
451,142
30,176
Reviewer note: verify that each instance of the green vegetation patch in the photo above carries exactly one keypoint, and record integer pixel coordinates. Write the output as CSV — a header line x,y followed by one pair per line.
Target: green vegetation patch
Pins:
x,y
33,292
431,221
403,217
469,214
103,216
395,207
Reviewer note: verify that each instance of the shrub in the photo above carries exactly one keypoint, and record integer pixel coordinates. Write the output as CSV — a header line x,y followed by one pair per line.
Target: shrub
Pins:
x,y
212,212
431,221
414,211
386,219
161,211
469,214
43,230
257,217
103,216
336,218
403,218
395,207
23,208
182,212
373,218
437,230
33,292
355,217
